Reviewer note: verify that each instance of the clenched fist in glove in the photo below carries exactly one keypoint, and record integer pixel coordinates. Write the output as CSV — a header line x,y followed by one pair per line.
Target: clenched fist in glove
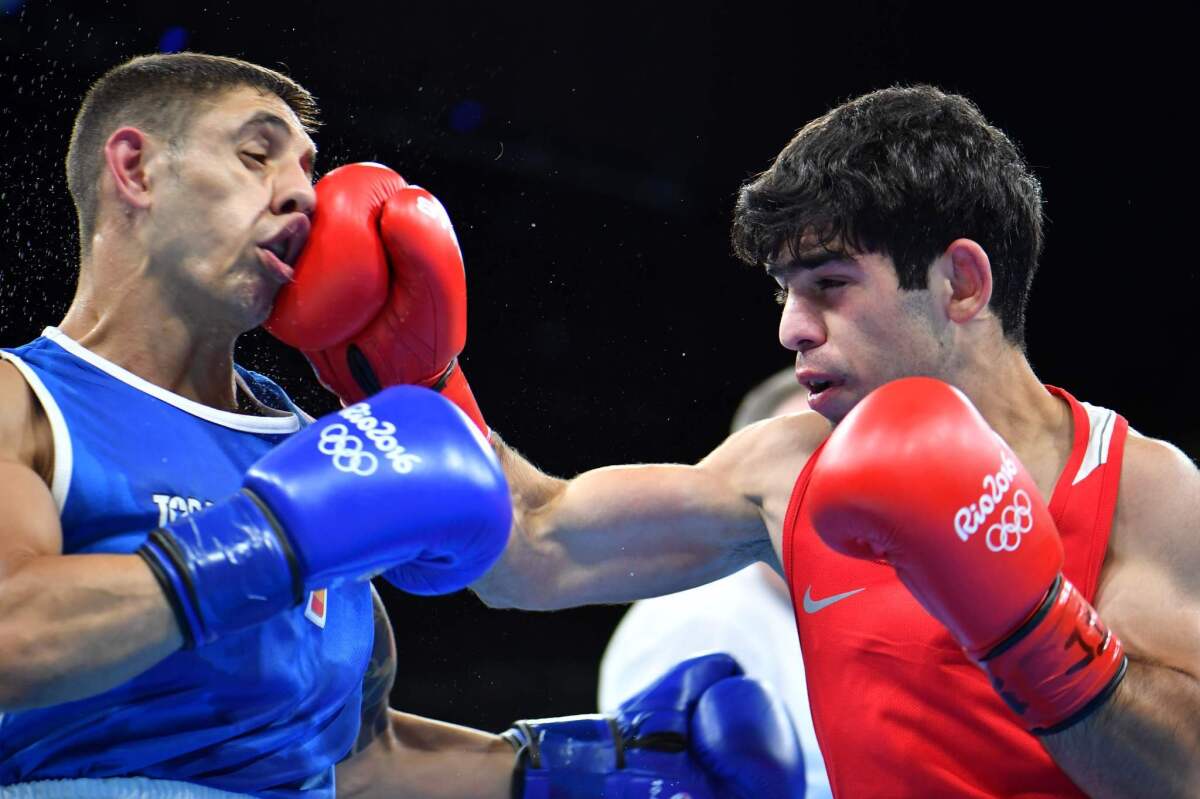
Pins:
x,y
915,477
379,296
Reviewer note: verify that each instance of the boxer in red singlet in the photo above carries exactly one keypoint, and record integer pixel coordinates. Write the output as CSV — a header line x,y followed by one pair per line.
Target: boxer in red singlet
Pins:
x,y
997,587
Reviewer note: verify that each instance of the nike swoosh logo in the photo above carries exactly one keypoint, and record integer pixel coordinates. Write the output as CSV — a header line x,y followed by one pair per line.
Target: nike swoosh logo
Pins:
x,y
814,605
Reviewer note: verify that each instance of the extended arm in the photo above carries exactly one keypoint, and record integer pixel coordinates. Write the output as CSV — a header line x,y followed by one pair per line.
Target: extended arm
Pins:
x,y
1146,740
627,532
380,299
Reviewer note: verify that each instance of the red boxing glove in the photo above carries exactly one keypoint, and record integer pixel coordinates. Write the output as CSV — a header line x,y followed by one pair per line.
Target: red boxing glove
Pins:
x,y
915,477
380,294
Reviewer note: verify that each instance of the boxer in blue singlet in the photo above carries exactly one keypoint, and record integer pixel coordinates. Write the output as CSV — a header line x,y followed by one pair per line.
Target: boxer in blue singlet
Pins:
x,y
184,608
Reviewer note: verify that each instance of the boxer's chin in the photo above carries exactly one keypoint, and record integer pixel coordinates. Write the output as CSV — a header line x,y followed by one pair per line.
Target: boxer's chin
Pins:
x,y
254,301
834,402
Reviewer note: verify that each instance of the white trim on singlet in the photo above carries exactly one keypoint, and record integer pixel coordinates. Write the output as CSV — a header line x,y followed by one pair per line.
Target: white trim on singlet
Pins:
x,y
60,481
114,788
234,421
1102,422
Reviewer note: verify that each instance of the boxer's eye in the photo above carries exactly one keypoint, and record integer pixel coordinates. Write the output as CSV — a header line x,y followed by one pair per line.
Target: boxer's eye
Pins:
x,y
260,158
826,284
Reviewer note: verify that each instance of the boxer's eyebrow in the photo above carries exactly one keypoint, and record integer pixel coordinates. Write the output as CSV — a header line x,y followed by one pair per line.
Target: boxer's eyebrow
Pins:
x,y
806,262
267,118
276,122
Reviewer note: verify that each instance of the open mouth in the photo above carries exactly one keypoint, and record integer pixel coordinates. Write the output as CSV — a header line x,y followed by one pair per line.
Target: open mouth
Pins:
x,y
819,384
282,250
279,249
270,258
815,387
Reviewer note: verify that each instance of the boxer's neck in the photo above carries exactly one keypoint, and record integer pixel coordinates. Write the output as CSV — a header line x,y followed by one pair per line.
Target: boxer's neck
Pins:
x,y
132,324
1037,425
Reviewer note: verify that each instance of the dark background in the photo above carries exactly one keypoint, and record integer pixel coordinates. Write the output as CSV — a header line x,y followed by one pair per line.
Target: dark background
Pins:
x,y
589,155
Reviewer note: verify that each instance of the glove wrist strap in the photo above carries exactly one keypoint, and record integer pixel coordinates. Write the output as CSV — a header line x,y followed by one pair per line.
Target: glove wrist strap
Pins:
x,y
224,568
570,756
1060,665
452,384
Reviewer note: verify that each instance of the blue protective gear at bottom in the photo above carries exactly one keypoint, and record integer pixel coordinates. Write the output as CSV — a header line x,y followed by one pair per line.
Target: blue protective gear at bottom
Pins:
x,y
703,730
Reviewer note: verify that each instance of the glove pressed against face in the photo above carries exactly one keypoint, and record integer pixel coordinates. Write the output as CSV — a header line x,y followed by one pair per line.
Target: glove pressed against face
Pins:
x,y
380,294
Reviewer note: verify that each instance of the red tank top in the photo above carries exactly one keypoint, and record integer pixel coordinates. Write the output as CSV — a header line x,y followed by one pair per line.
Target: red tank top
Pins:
x,y
899,711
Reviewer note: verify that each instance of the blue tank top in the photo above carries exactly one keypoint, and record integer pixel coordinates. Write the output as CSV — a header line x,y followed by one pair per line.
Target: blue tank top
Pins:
x,y
268,710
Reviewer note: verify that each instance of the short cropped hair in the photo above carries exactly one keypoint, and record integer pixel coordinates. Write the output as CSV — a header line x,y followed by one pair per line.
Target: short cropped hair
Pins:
x,y
161,94
762,401
902,172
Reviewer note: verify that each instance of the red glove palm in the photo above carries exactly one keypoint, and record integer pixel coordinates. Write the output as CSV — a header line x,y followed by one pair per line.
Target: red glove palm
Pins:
x,y
915,477
379,297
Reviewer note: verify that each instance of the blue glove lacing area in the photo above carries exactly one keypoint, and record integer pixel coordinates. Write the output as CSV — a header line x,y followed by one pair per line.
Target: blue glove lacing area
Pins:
x,y
587,756
703,730
224,568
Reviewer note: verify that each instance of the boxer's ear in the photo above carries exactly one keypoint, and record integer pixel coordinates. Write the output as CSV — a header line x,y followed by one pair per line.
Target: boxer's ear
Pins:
x,y
125,160
966,271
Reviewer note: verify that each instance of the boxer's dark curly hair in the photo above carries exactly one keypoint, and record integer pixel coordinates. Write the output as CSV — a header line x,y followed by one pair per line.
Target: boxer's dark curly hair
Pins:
x,y
161,94
903,172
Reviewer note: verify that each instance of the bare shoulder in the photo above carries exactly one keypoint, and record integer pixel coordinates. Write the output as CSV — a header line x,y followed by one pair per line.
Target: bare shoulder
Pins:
x,y
782,444
763,460
1158,505
24,431
1149,591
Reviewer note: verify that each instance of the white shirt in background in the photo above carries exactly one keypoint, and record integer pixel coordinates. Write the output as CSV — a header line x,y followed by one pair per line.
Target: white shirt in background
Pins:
x,y
741,614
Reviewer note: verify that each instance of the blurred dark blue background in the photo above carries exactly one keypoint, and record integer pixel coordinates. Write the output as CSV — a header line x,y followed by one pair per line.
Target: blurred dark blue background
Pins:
x,y
589,155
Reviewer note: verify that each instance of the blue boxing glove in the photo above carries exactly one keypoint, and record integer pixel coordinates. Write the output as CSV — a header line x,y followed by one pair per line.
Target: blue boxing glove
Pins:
x,y
703,731
403,482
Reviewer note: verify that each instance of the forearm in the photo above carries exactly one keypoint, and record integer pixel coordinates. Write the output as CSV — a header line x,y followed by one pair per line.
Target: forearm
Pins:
x,y
617,534
1145,741
73,626
425,759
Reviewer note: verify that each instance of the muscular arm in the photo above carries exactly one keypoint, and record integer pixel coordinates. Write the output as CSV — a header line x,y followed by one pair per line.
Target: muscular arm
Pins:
x,y
627,532
70,625
1146,740
399,755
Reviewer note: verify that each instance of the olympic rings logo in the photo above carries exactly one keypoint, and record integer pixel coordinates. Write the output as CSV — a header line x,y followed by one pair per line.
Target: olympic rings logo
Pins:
x,y
349,453
970,518
1015,520
346,451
